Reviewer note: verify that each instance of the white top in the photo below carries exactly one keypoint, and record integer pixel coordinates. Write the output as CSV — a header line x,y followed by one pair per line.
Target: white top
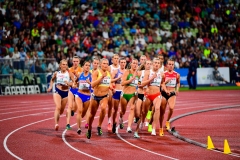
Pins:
x,y
161,69
156,81
62,77
114,68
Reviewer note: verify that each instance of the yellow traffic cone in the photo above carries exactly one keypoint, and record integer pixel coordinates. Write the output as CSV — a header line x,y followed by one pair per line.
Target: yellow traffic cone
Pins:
x,y
226,147
210,143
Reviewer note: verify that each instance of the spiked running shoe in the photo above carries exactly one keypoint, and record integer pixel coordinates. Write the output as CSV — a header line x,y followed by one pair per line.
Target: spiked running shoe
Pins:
x,y
86,125
114,127
167,125
136,135
99,131
121,123
79,131
109,127
129,130
153,132
149,128
56,127
89,134
161,132
68,127
146,124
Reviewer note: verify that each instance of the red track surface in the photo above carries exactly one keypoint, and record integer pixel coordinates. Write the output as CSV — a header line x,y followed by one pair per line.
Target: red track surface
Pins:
x,y
27,131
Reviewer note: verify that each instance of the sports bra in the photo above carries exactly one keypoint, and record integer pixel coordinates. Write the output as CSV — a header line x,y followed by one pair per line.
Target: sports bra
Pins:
x,y
156,81
117,75
134,83
62,77
106,81
83,85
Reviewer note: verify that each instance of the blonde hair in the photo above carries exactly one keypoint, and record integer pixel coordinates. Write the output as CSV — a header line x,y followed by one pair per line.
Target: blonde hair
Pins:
x,y
103,59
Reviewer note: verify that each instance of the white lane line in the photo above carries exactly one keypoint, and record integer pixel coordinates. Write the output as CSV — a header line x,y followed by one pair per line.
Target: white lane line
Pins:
x,y
28,110
162,155
23,116
75,149
20,106
6,138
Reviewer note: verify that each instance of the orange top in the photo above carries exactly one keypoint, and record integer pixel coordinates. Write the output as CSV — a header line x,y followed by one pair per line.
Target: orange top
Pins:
x,y
76,71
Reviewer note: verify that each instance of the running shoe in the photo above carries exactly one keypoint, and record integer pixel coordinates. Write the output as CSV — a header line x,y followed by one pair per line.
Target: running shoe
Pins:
x,y
149,128
86,125
56,127
68,127
99,131
121,123
161,132
79,131
89,134
109,127
167,125
146,124
129,130
72,113
149,114
114,127
136,120
136,135
153,132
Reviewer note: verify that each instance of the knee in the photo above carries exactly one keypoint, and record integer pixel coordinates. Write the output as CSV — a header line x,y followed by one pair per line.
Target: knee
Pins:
x,y
79,111
157,109
58,109
170,109
132,108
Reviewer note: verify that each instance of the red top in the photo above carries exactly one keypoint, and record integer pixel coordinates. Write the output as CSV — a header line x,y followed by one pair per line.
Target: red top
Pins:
x,y
173,78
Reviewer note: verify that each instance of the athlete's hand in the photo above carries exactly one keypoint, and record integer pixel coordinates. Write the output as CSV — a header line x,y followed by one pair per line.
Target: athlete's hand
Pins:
x,y
154,76
74,85
66,82
168,80
88,81
104,75
120,76
177,93
49,89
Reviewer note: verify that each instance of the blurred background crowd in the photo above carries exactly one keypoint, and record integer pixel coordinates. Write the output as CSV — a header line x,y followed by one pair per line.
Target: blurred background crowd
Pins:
x,y
36,34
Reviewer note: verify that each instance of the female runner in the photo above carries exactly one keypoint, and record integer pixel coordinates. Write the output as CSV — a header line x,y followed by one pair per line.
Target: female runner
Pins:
x,y
101,83
60,95
153,79
117,74
76,70
141,109
170,90
83,94
128,96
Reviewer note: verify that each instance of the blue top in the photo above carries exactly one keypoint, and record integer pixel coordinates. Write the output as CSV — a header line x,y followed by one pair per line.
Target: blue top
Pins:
x,y
83,85
117,75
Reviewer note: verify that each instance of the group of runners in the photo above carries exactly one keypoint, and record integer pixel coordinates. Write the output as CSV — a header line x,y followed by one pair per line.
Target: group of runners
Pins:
x,y
146,87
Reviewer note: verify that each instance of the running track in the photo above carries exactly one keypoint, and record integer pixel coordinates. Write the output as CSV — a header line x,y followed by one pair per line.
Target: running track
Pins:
x,y
27,131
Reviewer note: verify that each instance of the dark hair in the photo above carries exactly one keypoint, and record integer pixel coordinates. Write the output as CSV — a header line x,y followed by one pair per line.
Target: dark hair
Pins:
x,y
171,59
85,62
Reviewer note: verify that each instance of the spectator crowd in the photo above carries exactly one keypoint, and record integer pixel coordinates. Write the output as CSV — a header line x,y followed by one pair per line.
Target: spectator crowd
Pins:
x,y
36,34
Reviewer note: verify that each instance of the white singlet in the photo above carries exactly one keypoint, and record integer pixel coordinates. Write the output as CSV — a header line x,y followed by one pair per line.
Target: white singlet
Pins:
x,y
113,68
156,81
61,78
